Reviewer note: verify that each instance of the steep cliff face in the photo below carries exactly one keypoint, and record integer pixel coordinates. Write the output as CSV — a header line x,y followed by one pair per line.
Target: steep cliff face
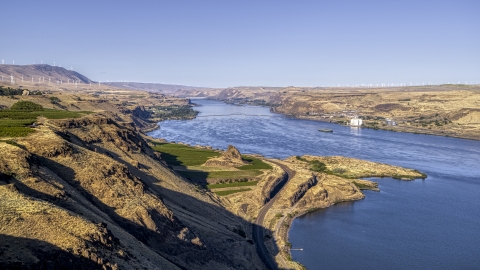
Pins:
x,y
89,190
273,183
302,189
330,190
46,219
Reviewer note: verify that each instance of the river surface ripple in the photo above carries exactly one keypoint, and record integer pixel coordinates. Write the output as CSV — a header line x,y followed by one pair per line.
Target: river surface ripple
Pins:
x,y
421,224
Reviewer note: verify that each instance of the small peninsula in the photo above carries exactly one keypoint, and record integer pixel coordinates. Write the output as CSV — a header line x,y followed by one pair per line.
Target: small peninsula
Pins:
x,y
280,190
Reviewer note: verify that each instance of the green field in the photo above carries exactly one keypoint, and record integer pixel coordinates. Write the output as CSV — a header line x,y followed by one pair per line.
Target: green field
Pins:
x,y
234,174
183,155
228,192
255,164
235,184
187,156
15,123
47,113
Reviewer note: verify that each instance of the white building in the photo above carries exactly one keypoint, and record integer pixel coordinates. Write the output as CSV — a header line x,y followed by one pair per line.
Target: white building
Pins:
x,y
356,122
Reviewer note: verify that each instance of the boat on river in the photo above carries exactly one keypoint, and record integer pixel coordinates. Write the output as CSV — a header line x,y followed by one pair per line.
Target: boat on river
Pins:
x,y
325,130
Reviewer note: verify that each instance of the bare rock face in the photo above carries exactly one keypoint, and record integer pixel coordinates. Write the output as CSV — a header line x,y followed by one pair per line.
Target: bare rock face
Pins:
x,y
273,185
230,158
302,189
141,112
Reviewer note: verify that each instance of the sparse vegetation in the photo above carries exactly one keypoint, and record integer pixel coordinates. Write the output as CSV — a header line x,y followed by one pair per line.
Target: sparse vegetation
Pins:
x,y
339,171
173,112
10,91
360,185
54,100
315,165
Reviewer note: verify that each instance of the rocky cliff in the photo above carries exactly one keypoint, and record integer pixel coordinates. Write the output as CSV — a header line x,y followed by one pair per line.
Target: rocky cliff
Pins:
x,y
230,158
90,193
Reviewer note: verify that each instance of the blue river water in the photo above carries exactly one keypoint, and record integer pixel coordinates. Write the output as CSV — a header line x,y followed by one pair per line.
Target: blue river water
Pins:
x,y
422,224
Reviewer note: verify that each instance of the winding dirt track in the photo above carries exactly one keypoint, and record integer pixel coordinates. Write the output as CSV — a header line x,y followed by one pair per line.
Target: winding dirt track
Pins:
x,y
258,228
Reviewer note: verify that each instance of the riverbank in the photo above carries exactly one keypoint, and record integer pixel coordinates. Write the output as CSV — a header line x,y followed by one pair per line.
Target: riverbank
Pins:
x,y
448,162
441,110
457,131
312,182
313,188
399,128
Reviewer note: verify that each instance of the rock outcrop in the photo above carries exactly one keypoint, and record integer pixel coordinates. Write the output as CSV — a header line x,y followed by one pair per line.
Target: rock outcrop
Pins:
x,y
230,158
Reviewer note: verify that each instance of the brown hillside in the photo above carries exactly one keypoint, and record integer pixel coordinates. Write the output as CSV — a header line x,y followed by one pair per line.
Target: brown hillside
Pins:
x,y
92,189
41,73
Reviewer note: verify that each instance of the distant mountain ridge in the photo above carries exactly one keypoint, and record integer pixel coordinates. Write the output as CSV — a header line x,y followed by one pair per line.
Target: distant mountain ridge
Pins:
x,y
155,87
41,73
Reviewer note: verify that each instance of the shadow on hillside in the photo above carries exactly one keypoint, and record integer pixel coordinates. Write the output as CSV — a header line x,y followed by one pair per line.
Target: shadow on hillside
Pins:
x,y
185,205
194,176
22,253
179,252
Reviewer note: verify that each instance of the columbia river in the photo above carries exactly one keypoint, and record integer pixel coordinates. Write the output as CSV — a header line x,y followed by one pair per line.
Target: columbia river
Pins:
x,y
422,224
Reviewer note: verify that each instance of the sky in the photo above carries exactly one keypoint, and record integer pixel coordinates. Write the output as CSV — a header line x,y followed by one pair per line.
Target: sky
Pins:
x,y
227,43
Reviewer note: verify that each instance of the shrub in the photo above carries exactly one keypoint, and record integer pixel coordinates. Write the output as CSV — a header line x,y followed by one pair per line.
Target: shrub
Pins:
x,y
54,100
26,106
317,166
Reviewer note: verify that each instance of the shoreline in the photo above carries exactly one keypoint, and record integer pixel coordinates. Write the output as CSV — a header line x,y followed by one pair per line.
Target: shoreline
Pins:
x,y
284,236
281,227
403,129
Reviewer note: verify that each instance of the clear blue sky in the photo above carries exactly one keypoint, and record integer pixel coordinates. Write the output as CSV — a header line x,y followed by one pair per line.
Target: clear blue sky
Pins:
x,y
231,42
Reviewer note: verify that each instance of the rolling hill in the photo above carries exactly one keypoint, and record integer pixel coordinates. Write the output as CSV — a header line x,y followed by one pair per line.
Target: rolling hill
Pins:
x,y
40,73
